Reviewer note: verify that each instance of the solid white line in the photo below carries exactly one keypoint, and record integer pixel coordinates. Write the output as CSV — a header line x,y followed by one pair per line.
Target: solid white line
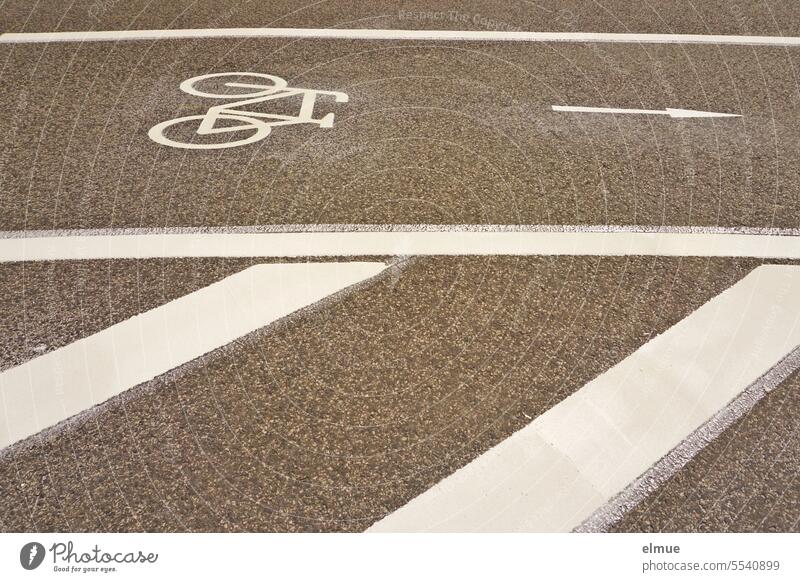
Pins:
x,y
398,227
389,243
391,34
554,473
674,113
66,381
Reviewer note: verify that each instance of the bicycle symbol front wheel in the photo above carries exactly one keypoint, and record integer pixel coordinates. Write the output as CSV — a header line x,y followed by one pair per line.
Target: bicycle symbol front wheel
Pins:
x,y
259,128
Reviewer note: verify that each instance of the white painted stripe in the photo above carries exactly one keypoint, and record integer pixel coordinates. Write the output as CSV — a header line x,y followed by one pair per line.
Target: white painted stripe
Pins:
x,y
554,473
66,381
391,34
420,227
609,514
390,243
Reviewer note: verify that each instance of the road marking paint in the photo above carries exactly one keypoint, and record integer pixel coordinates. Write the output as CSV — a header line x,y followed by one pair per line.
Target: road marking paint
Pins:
x,y
420,227
674,113
394,34
255,125
396,243
554,473
57,385
604,518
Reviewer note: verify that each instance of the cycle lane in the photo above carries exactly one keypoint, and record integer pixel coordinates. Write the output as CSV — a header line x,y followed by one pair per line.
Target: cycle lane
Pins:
x,y
443,133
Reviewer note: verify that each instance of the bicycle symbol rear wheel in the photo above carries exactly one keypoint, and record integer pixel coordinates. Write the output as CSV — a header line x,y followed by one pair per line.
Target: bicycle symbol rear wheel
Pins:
x,y
261,130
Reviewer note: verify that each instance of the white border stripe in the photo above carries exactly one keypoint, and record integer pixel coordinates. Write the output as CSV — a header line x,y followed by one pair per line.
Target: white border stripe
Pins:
x,y
390,34
419,227
388,243
66,381
570,461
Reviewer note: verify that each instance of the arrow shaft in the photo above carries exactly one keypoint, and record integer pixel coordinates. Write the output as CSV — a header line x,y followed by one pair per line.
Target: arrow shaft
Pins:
x,y
572,109
674,113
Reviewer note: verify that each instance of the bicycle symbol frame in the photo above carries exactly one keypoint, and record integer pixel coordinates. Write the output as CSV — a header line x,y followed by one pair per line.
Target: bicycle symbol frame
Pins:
x,y
260,124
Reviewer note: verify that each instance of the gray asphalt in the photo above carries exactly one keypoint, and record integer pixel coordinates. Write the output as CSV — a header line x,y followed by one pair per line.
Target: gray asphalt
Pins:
x,y
333,419
433,132
767,17
747,480
330,420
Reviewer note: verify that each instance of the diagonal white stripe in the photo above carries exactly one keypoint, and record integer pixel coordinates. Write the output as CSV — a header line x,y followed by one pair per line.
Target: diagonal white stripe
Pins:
x,y
394,34
554,473
66,381
605,517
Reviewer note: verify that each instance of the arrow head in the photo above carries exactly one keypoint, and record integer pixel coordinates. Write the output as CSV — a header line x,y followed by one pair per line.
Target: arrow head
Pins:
x,y
686,113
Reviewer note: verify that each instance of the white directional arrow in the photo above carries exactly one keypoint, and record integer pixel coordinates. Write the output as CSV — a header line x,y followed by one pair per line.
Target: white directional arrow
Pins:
x,y
674,113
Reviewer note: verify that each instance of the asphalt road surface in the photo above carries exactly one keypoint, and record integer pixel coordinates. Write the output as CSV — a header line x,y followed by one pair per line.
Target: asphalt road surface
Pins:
x,y
444,133
338,416
768,17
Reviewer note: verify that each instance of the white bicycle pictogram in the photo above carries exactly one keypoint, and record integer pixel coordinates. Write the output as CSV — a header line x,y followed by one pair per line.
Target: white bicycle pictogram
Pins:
x,y
268,87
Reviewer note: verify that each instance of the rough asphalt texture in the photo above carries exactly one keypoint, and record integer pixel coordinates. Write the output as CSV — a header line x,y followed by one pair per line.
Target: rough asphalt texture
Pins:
x,y
434,132
333,418
747,480
761,17
338,416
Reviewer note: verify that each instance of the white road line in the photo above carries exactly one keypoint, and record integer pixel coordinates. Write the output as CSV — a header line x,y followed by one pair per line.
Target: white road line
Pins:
x,y
389,243
554,473
377,34
397,227
674,113
66,381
